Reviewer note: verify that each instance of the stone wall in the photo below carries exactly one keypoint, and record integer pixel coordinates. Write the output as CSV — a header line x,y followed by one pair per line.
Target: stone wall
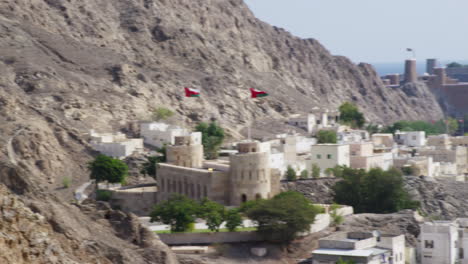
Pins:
x,y
209,238
194,183
138,199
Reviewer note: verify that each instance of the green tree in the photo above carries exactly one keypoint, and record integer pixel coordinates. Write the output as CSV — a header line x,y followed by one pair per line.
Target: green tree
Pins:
x,y
212,138
350,115
162,113
326,137
179,212
304,174
376,191
291,174
315,171
407,170
105,168
329,172
233,219
341,261
454,65
213,213
278,220
245,207
431,128
452,125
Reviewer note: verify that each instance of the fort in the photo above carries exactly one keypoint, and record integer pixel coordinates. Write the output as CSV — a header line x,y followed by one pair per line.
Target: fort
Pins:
x,y
442,82
246,176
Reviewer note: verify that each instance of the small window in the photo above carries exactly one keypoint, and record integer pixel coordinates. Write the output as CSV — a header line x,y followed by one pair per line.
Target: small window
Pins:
x,y
319,156
329,156
428,243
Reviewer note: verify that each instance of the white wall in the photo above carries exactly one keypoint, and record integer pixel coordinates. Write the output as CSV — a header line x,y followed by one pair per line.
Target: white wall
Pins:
x,y
444,250
158,134
119,149
330,155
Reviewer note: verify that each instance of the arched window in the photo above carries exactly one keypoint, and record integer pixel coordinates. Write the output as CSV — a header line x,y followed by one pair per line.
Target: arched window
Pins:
x,y
243,198
258,196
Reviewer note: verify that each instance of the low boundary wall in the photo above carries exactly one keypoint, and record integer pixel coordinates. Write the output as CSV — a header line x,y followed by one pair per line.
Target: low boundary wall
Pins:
x,y
209,238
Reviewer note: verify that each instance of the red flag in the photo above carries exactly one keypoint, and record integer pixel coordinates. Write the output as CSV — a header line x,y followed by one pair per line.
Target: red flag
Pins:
x,y
190,92
257,93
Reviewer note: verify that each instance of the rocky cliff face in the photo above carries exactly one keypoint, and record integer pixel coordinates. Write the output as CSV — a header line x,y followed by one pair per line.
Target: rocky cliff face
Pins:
x,y
70,66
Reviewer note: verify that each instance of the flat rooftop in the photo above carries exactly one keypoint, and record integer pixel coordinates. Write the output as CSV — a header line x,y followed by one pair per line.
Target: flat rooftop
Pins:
x,y
350,253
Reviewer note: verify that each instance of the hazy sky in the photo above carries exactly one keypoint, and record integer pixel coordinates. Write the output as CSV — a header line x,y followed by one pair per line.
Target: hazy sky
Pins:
x,y
375,30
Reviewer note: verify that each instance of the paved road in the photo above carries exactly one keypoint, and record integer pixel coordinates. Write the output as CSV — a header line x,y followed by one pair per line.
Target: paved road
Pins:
x,y
160,227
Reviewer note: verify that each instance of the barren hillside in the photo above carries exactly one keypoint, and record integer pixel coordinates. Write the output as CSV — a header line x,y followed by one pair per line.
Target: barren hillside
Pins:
x,y
70,66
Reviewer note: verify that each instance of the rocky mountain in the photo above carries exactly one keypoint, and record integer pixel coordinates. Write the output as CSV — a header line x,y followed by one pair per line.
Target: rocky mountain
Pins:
x,y
70,66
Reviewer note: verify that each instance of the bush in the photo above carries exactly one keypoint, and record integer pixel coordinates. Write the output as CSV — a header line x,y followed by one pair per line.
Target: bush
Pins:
x,y
179,212
245,207
315,171
278,220
103,195
291,174
212,138
66,182
350,115
213,213
434,128
407,170
105,168
376,191
304,174
233,220
337,219
162,113
326,137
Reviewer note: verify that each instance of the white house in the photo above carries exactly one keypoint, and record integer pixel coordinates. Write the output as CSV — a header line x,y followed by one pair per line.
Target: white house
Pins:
x,y
360,247
439,242
353,136
115,145
315,120
306,122
329,156
159,134
411,138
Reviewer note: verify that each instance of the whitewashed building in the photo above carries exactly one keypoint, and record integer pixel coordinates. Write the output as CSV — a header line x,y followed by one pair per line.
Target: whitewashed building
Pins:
x,y
439,243
159,134
329,156
383,140
315,120
360,247
411,138
115,145
353,136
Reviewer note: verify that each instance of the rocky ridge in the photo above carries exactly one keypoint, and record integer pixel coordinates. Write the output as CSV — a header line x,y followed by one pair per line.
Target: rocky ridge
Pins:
x,y
70,66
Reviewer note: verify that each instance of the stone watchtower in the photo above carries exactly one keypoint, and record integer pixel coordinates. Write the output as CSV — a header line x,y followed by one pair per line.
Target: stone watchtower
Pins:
x,y
186,152
411,74
250,174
